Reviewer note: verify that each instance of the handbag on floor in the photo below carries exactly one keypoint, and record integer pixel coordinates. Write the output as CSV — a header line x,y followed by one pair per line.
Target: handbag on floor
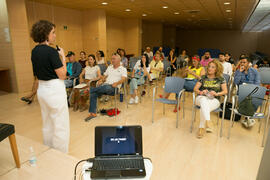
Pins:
x,y
228,111
245,106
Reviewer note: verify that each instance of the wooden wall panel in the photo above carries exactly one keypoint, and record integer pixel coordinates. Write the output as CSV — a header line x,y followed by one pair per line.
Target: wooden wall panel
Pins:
x,y
6,59
20,44
152,34
234,42
71,38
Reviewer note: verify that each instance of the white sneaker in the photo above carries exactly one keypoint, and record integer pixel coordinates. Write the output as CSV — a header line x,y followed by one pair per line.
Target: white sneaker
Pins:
x,y
131,101
136,99
251,122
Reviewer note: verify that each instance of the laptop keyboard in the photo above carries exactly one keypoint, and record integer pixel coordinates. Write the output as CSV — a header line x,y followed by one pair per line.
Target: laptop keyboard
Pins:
x,y
118,164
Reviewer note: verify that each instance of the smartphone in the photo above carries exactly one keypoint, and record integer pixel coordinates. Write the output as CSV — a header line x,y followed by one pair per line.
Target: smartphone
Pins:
x,y
57,48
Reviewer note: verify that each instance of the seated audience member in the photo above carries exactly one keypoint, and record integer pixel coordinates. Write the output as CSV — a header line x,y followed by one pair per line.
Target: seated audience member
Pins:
x,y
156,66
162,55
246,73
209,88
194,73
140,71
206,58
90,74
227,67
172,59
83,59
74,69
113,77
229,59
262,63
118,51
124,59
100,57
148,52
183,58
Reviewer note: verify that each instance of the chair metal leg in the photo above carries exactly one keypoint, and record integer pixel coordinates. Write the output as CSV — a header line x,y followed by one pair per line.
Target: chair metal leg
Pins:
x,y
183,110
231,123
163,109
177,115
13,145
115,108
192,118
153,105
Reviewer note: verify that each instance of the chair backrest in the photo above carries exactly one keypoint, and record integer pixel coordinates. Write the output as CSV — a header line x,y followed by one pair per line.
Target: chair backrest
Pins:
x,y
174,84
132,63
264,69
102,68
246,89
166,64
227,78
265,76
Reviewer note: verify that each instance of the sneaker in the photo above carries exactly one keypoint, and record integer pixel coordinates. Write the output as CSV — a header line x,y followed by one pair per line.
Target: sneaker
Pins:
x,y
131,101
136,100
143,93
251,122
244,122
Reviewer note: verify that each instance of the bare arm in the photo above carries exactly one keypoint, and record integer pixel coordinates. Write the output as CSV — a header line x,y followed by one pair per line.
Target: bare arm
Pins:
x,y
62,71
81,76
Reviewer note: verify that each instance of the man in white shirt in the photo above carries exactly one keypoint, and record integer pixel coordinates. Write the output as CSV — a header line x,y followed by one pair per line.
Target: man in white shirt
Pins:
x,y
148,52
113,77
227,67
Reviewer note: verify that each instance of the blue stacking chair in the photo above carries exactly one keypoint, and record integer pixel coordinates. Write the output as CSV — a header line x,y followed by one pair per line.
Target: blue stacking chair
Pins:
x,y
172,85
243,91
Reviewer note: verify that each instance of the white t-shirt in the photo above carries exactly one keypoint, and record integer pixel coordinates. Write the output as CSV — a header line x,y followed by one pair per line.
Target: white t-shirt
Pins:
x,y
115,75
227,68
138,66
91,72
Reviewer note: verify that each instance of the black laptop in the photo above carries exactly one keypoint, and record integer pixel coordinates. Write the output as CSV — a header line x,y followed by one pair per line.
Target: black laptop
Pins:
x,y
118,152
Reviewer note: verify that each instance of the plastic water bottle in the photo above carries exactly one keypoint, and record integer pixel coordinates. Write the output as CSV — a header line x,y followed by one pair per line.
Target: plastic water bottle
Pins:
x,y
32,159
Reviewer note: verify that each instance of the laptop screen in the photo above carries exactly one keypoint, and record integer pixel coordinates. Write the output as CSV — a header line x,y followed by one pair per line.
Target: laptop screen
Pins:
x,y
118,140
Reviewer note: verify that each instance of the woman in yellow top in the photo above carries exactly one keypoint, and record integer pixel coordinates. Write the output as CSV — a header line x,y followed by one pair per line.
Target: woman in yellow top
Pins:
x,y
194,73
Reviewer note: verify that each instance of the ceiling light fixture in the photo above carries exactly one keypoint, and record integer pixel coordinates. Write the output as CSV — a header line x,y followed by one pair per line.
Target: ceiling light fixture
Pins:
x,y
144,14
228,10
104,3
164,7
127,10
227,3
176,13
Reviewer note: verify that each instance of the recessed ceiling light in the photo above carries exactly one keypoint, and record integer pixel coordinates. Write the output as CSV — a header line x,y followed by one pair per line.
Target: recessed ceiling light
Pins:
x,y
144,14
127,10
176,13
165,7
228,10
104,3
227,3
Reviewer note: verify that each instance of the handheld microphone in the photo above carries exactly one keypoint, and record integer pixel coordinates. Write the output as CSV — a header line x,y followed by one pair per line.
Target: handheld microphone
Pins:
x,y
57,48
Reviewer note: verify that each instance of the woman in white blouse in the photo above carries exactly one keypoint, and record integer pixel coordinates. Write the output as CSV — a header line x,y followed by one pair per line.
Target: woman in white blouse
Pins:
x,y
140,71
88,78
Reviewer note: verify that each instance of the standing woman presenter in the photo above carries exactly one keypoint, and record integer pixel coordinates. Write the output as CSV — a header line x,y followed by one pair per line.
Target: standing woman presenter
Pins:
x,y
51,71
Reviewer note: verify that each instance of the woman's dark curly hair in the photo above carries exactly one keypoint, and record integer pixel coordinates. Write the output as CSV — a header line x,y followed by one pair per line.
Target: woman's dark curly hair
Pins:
x,y
41,30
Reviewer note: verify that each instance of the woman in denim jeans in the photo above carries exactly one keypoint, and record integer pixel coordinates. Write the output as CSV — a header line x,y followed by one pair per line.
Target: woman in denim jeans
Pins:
x,y
194,73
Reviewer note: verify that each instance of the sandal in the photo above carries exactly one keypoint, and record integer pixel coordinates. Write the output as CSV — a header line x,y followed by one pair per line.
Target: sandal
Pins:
x,y
200,133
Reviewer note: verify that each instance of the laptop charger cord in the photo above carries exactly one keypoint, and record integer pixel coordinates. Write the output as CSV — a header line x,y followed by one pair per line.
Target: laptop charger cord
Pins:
x,y
87,160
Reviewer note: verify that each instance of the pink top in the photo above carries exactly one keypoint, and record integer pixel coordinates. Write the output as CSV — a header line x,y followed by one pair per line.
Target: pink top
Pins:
x,y
205,62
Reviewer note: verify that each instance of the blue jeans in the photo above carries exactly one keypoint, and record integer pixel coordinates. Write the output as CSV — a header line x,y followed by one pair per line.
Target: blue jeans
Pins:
x,y
189,85
96,92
